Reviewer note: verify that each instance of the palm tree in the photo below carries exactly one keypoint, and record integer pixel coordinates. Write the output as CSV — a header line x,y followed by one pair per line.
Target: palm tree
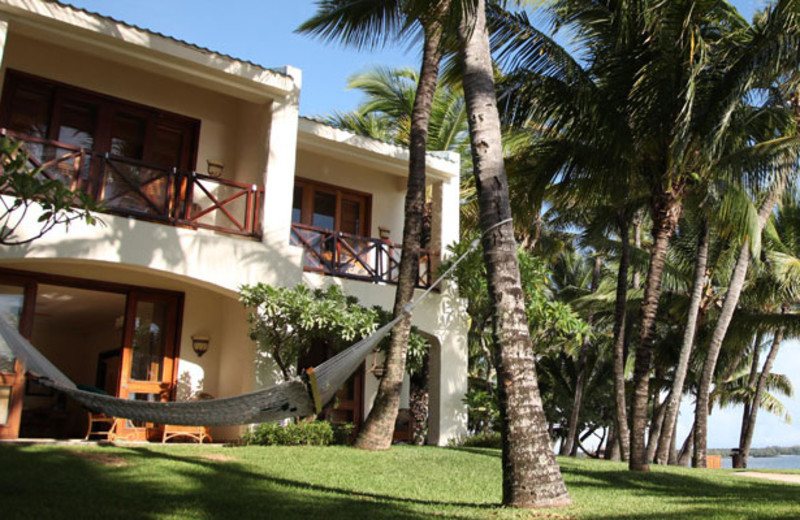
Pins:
x,y
780,287
387,108
366,24
584,141
531,477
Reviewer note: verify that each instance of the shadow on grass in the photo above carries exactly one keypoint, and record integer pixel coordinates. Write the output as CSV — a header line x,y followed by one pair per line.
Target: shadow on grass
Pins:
x,y
139,483
704,495
238,470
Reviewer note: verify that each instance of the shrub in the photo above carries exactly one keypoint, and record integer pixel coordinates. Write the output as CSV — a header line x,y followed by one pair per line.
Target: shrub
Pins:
x,y
343,433
479,440
317,433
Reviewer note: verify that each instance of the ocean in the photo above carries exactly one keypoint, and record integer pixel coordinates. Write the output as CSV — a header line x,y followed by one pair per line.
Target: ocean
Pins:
x,y
781,462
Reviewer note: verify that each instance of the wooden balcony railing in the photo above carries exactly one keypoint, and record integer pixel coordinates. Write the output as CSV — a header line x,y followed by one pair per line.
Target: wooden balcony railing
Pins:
x,y
356,257
148,191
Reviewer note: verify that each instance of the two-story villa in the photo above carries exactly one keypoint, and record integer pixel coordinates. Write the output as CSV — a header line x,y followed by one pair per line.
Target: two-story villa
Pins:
x,y
210,180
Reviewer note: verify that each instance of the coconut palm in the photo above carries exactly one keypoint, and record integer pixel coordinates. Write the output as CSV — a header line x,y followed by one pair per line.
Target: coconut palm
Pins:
x,y
675,74
780,287
531,477
584,141
365,24
388,104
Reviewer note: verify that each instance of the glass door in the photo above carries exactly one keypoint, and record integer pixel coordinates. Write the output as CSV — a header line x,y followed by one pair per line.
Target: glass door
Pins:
x,y
12,378
148,352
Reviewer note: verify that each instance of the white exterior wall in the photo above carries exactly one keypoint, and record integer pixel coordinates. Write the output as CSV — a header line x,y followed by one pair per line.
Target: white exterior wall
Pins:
x,y
249,120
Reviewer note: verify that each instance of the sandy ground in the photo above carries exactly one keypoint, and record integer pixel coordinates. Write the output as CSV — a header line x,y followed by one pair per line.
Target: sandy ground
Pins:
x,y
778,477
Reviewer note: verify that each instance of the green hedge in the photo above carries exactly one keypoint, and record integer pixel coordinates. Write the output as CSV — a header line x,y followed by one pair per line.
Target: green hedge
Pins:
x,y
317,433
479,440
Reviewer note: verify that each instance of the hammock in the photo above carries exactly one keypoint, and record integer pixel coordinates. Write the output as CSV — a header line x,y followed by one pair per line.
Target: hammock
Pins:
x,y
296,398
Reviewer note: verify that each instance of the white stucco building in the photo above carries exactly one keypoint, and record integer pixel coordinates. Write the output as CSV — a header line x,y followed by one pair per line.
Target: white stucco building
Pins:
x,y
210,180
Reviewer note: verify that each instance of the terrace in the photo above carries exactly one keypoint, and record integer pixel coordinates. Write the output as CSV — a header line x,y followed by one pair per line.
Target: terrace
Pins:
x,y
146,191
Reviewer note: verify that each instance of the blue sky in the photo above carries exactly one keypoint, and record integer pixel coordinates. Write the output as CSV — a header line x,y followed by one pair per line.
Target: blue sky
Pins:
x,y
262,32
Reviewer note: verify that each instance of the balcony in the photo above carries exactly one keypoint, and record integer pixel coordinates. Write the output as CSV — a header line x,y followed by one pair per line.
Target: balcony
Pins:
x,y
355,257
147,191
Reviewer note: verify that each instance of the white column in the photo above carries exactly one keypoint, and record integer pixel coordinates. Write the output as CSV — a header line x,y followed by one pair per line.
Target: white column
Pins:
x,y
279,174
450,204
3,38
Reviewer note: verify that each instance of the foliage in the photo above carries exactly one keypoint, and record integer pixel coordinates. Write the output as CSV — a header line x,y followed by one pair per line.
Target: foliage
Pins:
x,y
287,322
28,187
303,433
483,412
479,440
553,325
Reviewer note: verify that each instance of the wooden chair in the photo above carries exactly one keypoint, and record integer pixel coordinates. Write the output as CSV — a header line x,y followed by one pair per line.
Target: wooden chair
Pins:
x,y
106,423
196,433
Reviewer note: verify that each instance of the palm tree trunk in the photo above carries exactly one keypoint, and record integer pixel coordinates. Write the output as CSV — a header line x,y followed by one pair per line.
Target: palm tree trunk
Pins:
x,y
378,429
686,449
659,410
620,313
674,402
531,477
666,210
637,242
673,453
738,461
612,446
726,314
744,448
580,383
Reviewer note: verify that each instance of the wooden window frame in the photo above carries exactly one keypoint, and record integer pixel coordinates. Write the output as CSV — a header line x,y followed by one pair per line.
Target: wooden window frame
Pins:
x,y
309,187
107,107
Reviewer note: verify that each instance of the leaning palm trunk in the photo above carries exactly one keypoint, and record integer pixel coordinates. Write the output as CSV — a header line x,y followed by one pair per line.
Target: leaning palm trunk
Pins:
x,y
726,314
674,402
531,477
620,313
654,436
666,209
378,429
750,425
570,447
751,383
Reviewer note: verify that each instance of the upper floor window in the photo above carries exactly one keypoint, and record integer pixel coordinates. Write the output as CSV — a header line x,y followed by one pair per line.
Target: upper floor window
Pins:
x,y
330,207
54,111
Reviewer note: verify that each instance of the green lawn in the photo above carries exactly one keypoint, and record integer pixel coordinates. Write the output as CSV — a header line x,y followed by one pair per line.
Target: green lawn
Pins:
x,y
209,482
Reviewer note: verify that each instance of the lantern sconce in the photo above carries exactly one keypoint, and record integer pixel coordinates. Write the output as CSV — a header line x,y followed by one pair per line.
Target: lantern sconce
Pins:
x,y
378,369
200,345
215,168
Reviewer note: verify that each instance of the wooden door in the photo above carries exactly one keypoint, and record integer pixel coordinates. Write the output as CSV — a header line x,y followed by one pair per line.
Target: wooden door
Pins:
x,y
149,352
14,308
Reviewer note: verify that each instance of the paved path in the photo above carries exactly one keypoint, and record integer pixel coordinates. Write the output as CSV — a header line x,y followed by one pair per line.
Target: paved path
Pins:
x,y
778,477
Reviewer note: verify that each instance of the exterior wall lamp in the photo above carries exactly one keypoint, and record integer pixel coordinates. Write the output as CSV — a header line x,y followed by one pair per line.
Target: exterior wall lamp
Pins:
x,y
200,345
384,232
215,168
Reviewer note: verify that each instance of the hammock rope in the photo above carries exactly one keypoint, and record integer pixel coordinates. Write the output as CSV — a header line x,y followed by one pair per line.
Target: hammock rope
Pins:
x,y
295,398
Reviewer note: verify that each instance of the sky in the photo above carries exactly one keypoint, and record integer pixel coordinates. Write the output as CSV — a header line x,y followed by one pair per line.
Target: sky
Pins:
x,y
263,32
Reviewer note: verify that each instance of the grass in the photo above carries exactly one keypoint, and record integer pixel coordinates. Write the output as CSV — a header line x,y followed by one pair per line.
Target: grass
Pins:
x,y
176,482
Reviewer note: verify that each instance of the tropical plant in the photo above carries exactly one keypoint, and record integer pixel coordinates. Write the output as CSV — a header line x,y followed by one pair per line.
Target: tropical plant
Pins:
x,y
287,323
27,188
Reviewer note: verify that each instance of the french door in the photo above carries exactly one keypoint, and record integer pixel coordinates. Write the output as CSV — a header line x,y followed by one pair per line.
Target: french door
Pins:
x,y
149,347
13,299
